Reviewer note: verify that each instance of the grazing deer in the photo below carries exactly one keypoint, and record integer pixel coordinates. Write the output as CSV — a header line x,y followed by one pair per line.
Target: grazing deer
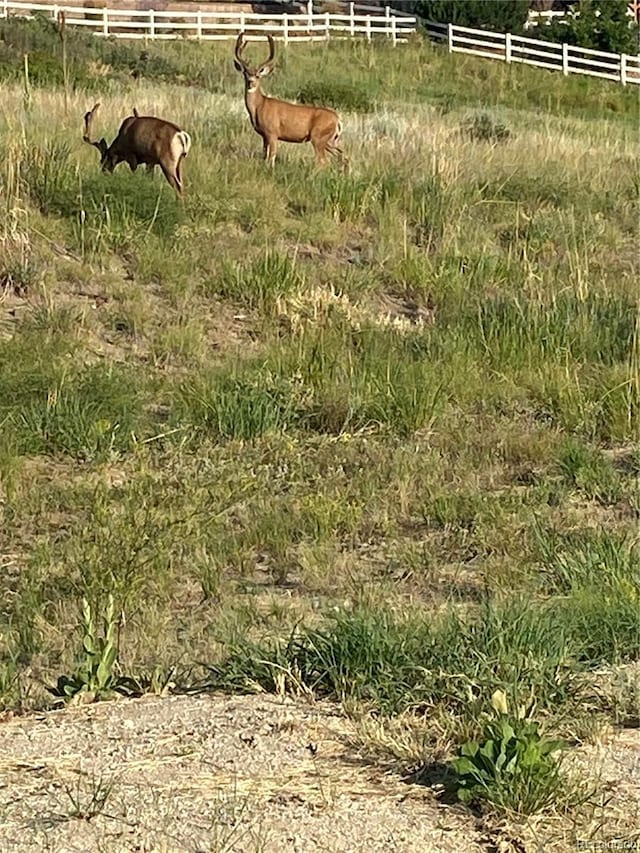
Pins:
x,y
279,121
143,139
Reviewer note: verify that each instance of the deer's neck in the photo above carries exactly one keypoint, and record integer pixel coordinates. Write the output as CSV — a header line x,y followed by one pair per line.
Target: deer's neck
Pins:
x,y
253,99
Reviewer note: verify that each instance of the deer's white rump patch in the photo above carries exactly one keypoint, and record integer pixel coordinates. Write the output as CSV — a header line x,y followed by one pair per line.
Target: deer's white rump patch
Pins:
x,y
181,144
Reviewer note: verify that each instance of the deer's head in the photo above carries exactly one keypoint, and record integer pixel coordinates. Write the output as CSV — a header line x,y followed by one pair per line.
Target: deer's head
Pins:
x,y
108,162
253,74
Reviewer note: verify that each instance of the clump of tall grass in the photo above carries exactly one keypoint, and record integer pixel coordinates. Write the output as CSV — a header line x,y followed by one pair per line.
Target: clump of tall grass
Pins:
x,y
588,470
326,381
90,415
244,405
366,377
260,284
520,331
571,560
415,662
20,268
448,660
521,646
49,177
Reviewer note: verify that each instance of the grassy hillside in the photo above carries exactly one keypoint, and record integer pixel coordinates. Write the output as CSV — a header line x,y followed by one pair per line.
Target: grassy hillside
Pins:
x,y
396,408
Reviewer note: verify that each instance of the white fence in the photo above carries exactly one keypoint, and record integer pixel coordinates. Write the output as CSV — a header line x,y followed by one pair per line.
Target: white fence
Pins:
x,y
219,25
350,22
536,19
621,67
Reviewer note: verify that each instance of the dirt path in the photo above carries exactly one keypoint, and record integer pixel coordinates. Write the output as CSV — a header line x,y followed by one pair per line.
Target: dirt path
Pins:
x,y
208,773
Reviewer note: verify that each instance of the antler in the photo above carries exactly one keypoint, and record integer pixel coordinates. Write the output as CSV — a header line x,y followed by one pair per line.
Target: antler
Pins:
x,y
272,52
240,43
88,122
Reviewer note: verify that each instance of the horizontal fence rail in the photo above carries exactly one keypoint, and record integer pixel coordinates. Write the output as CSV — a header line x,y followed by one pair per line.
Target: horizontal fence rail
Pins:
x,y
624,68
354,20
220,25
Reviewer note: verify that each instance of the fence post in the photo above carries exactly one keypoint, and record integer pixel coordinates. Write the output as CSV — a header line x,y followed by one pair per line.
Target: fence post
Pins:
x,y
56,12
152,24
394,35
352,23
105,21
507,47
450,37
285,28
368,28
327,25
565,59
623,69
5,11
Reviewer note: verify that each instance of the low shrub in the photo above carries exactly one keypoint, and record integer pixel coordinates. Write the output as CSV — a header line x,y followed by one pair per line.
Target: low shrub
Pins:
x,y
329,93
483,128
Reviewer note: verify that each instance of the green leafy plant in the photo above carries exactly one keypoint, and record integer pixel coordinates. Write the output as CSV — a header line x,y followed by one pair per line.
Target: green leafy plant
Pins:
x,y
94,678
512,767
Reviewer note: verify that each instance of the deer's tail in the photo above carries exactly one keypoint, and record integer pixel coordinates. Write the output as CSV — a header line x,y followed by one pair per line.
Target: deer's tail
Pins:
x,y
185,140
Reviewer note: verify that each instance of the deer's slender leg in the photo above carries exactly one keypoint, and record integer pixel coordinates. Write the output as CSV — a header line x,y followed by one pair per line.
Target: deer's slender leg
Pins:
x,y
319,147
323,143
172,179
179,172
270,149
150,168
330,144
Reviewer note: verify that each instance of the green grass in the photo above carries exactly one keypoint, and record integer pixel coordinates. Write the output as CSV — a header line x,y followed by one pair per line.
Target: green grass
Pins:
x,y
371,435
398,663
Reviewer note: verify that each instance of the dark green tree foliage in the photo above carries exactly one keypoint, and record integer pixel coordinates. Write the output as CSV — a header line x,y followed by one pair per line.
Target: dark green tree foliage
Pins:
x,y
599,25
499,15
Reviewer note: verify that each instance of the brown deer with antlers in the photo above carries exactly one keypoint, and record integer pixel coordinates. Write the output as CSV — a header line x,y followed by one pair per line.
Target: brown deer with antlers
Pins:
x,y
143,140
280,121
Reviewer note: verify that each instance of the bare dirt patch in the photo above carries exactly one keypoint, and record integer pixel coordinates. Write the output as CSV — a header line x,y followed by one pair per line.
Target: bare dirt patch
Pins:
x,y
209,773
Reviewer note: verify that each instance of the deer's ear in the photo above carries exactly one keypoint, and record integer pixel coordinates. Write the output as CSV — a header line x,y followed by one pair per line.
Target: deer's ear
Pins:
x,y
264,70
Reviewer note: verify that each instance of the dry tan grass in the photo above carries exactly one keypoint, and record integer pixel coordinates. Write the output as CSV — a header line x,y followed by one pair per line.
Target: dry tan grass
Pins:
x,y
425,523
